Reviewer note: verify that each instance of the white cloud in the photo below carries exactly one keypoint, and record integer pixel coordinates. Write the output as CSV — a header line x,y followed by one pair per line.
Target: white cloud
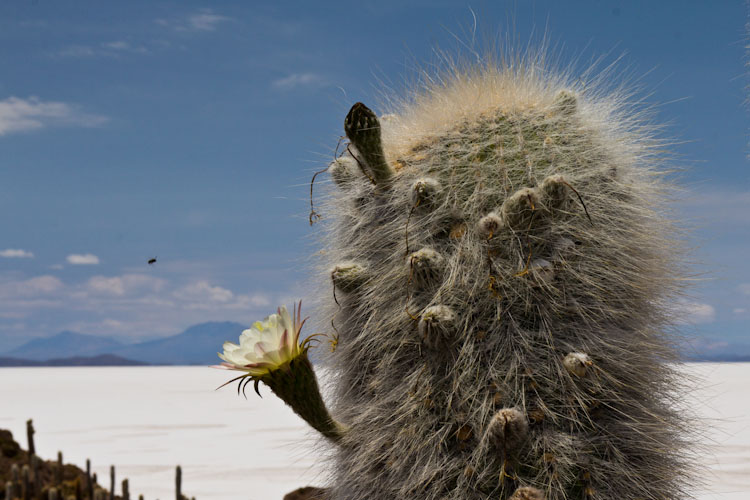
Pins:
x,y
124,285
248,302
30,288
694,312
135,305
117,45
744,288
203,291
16,253
296,80
259,300
202,20
739,310
103,284
86,259
40,285
23,115
206,20
114,48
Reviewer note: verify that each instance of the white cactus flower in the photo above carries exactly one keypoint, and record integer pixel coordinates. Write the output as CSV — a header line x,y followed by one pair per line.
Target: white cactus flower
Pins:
x,y
267,345
270,351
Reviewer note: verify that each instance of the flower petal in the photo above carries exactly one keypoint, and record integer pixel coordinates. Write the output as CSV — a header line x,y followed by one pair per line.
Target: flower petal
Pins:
x,y
230,346
266,345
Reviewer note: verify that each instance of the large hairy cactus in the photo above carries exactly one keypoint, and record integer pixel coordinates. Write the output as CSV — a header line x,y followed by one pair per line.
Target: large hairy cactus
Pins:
x,y
502,268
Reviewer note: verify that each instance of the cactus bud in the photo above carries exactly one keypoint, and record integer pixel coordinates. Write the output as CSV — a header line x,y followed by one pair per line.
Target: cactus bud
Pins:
x,y
554,190
527,493
518,210
426,266
436,326
425,192
577,363
489,225
363,130
348,276
508,429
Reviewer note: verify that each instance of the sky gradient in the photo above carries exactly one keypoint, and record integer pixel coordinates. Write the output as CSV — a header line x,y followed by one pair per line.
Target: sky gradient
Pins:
x,y
188,131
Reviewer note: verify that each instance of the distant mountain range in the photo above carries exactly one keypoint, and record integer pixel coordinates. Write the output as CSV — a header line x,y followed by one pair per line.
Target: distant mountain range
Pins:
x,y
101,360
197,345
64,345
717,351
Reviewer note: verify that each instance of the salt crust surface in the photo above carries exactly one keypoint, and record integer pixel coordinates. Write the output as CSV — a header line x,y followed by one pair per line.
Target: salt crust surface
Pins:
x,y
146,420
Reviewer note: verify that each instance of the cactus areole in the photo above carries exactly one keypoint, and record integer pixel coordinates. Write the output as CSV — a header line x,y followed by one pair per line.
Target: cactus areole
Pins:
x,y
500,271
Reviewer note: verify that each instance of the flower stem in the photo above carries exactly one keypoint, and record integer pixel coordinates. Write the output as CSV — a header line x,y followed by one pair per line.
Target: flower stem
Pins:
x,y
297,386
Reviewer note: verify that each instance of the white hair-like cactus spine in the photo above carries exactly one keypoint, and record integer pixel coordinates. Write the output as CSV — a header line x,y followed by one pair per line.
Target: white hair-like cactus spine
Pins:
x,y
497,234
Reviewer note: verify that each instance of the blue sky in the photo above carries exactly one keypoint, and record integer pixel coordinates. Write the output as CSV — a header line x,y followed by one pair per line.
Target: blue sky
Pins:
x,y
188,131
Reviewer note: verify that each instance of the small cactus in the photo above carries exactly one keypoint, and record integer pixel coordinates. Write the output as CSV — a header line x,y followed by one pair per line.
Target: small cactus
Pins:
x,y
59,469
111,482
13,486
502,268
36,474
26,482
89,480
30,436
178,482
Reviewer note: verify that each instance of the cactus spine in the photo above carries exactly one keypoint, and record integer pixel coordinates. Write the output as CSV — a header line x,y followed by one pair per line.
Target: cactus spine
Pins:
x,y
502,268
